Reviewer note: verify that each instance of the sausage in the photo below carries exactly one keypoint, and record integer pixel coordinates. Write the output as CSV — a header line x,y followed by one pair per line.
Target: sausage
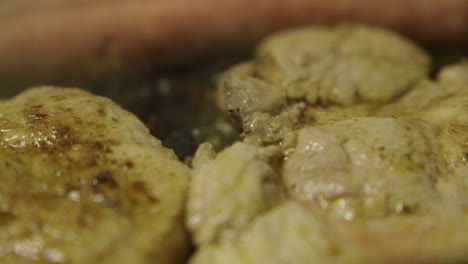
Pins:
x,y
54,40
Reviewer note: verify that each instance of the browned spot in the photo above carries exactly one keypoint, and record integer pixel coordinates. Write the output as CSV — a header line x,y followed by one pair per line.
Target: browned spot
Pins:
x,y
6,217
37,106
105,178
129,164
102,146
333,249
63,131
140,188
405,209
38,116
98,145
77,120
101,112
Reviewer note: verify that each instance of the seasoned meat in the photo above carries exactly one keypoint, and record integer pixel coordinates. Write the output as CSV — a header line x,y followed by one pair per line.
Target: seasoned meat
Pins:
x,y
343,65
216,211
292,233
286,234
328,74
352,167
371,153
361,190
83,181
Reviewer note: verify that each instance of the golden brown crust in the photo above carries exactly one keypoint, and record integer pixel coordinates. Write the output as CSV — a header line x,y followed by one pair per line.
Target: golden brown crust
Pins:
x,y
83,181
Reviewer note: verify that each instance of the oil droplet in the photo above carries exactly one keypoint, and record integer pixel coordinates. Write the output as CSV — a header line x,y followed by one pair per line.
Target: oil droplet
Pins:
x,y
74,196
